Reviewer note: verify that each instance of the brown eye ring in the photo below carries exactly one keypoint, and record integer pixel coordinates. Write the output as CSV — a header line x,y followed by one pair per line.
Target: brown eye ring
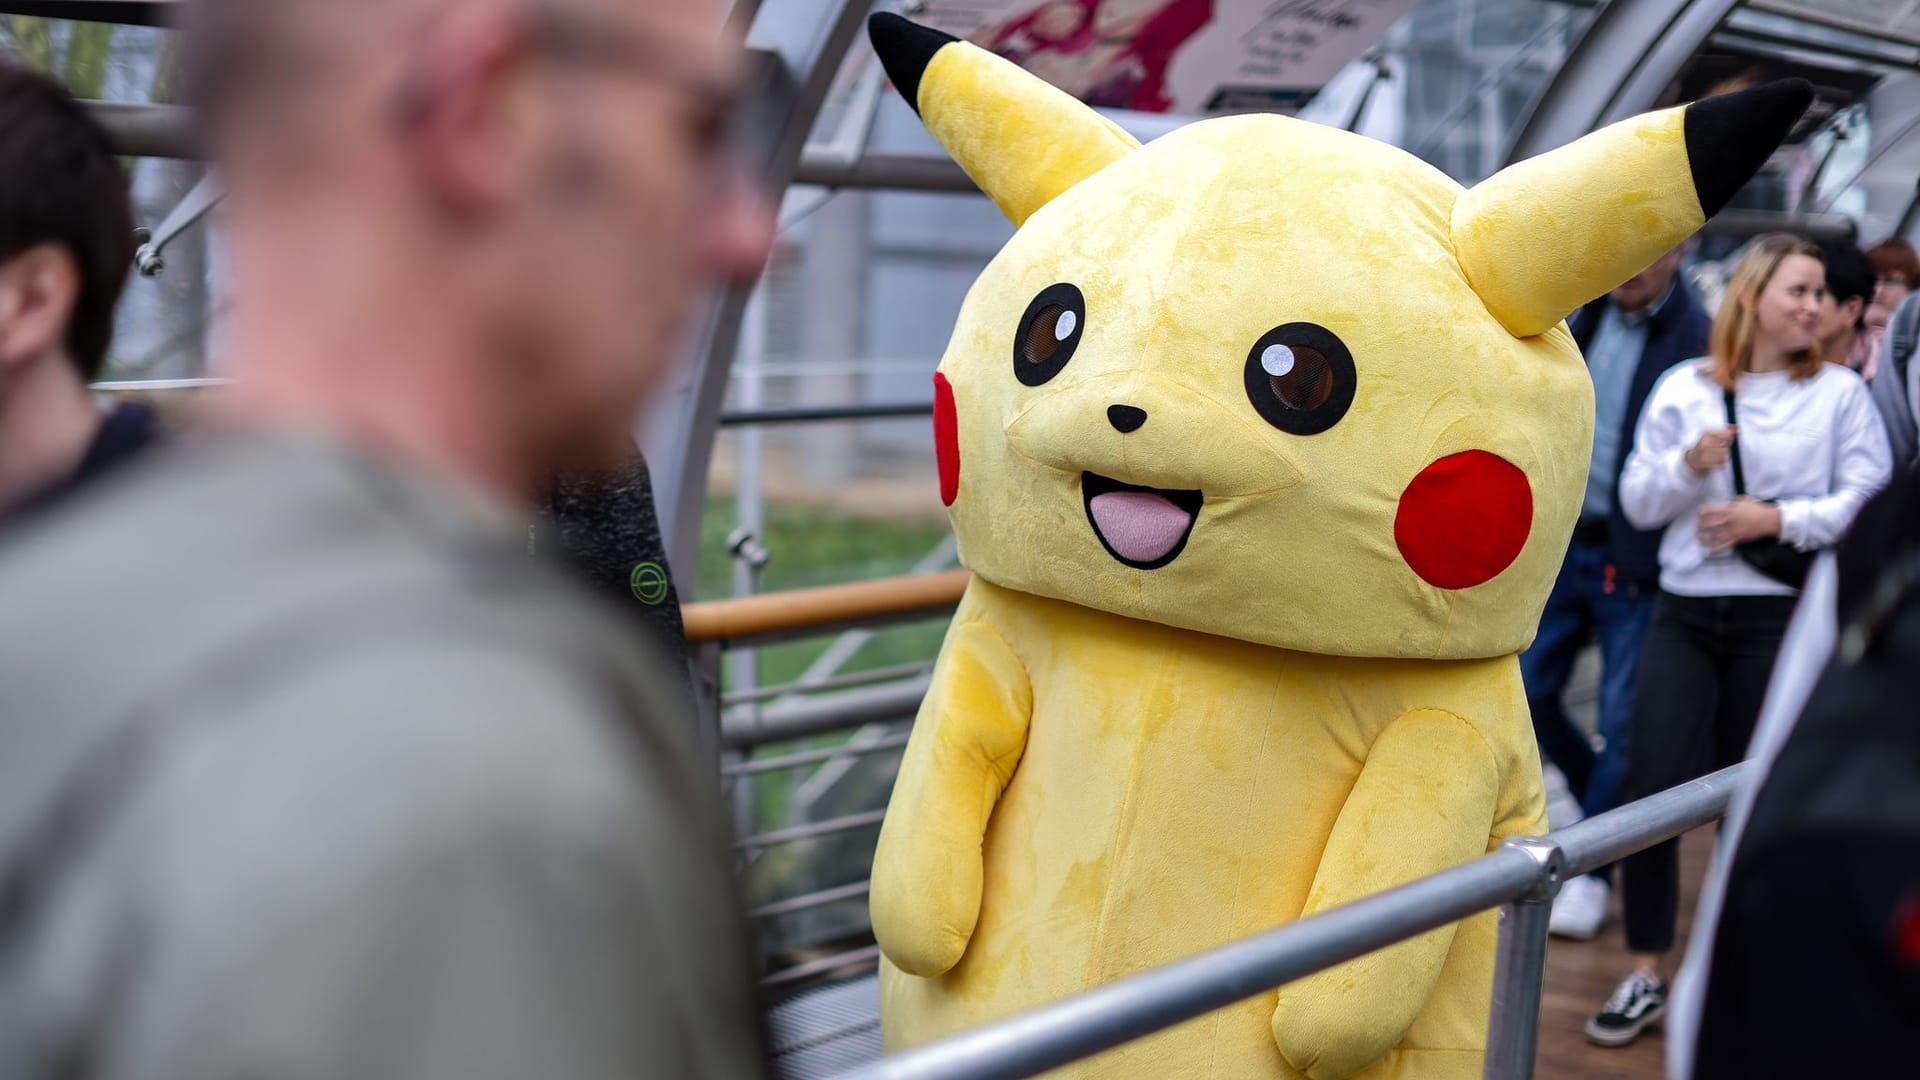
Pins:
x,y
1300,378
1049,333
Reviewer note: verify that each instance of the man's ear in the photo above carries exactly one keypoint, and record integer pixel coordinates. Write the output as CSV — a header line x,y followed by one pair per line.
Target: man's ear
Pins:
x,y
38,290
459,111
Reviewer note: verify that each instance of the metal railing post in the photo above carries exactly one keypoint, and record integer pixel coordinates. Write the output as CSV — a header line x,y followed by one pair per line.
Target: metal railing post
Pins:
x,y
703,667
1519,965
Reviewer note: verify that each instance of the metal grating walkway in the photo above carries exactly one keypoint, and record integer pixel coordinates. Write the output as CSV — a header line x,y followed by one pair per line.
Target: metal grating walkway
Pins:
x,y
826,1031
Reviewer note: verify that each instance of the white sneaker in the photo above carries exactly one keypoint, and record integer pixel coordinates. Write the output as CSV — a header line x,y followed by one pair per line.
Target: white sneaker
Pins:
x,y
1562,808
1580,909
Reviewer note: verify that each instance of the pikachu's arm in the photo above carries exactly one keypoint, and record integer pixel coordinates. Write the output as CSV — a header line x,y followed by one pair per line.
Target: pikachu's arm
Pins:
x,y
1425,801
968,739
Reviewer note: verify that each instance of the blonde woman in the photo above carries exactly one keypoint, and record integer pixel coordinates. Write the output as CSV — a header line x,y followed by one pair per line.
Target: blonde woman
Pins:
x,y
1749,458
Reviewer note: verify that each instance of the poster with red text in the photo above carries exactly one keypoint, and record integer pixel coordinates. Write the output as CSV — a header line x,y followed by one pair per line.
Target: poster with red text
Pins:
x,y
1192,57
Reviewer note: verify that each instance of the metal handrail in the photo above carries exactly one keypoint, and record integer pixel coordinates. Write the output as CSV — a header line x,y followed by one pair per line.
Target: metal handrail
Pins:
x,y
801,687
782,616
743,729
813,757
812,830
1522,874
826,414
809,901
867,955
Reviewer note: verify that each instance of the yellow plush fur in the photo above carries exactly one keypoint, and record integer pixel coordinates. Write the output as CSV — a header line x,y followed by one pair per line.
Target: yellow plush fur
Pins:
x,y
1118,767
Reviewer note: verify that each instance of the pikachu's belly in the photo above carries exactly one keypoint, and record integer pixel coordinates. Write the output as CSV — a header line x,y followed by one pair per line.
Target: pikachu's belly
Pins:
x,y
1160,808
1176,793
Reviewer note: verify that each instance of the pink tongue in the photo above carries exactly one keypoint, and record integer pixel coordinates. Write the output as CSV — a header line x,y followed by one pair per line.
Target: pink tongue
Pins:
x,y
1139,525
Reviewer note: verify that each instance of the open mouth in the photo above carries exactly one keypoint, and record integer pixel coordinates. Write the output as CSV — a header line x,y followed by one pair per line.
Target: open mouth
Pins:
x,y
1145,528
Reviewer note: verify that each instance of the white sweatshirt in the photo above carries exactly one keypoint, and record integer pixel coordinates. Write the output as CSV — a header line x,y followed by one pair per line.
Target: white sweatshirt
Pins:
x,y
1815,446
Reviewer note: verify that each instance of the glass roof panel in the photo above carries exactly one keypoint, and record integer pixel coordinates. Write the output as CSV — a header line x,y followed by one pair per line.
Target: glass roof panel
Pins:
x,y
1899,19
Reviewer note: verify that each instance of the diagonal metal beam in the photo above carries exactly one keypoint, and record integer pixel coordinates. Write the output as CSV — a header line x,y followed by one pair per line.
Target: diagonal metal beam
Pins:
x,y
1631,51
797,47
894,172
125,12
206,194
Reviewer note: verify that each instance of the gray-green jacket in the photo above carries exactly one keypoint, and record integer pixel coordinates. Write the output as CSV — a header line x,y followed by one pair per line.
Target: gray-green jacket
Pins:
x,y
307,771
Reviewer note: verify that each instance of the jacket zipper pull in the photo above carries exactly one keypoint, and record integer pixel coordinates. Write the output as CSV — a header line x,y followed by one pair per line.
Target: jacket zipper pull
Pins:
x,y
1606,586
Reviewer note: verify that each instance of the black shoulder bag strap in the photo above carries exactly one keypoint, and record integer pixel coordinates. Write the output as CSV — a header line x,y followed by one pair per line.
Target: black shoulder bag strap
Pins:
x,y
1733,457
1770,555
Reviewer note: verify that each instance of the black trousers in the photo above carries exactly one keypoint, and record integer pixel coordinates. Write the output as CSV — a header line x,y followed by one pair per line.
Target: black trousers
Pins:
x,y
1703,674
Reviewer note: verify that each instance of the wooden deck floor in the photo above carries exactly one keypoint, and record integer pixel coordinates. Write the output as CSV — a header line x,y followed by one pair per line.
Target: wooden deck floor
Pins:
x,y
1580,975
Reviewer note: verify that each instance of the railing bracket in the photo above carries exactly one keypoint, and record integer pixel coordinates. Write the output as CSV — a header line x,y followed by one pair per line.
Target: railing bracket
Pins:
x,y
1548,857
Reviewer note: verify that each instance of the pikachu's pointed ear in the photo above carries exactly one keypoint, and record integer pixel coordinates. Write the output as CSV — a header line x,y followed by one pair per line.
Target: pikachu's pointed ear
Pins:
x,y
1023,141
1546,235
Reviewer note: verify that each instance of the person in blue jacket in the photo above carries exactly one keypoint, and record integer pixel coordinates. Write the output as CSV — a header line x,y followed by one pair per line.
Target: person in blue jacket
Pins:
x,y
1607,585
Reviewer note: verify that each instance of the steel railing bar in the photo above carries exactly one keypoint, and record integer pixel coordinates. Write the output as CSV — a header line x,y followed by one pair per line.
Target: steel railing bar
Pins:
x,y
810,831
809,757
1519,965
1139,1005
834,682
906,410
869,955
1610,837
153,385
808,901
787,721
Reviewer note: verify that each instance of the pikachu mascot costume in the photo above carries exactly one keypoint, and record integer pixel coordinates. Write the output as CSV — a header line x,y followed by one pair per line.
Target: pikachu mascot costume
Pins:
x,y
1264,442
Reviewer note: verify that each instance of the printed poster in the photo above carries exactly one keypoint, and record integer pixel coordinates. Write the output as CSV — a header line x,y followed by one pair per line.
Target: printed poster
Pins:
x,y
1192,57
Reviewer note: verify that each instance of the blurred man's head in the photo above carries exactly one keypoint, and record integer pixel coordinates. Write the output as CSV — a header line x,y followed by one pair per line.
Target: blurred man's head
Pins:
x,y
1850,285
540,187
1651,284
66,233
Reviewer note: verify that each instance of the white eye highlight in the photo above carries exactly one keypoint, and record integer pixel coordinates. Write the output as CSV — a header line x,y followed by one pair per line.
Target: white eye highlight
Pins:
x,y
1277,360
1064,326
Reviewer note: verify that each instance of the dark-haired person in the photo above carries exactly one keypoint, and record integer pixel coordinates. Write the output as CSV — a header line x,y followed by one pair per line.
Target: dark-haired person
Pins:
x,y
1811,451
306,768
1851,283
66,241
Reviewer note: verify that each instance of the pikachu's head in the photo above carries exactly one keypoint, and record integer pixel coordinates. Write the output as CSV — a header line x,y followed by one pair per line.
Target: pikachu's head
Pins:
x,y
1278,382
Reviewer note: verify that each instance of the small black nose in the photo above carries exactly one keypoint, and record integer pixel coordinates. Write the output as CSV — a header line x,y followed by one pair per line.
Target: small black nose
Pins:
x,y
1125,418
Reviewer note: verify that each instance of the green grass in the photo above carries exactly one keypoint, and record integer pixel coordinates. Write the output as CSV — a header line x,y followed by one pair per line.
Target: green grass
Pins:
x,y
807,547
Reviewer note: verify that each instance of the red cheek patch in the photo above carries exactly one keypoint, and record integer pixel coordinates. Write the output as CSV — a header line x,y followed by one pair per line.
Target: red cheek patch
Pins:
x,y
1464,519
946,439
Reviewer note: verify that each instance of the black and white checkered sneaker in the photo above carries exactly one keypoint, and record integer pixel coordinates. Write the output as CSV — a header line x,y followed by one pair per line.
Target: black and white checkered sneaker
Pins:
x,y
1637,1004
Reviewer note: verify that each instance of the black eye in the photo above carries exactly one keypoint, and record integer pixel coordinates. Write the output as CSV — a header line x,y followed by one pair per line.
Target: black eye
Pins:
x,y
1049,332
1300,378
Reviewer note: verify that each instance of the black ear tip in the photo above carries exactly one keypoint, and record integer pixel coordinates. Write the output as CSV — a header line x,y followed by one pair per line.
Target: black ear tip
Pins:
x,y
1730,136
905,48
1783,101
